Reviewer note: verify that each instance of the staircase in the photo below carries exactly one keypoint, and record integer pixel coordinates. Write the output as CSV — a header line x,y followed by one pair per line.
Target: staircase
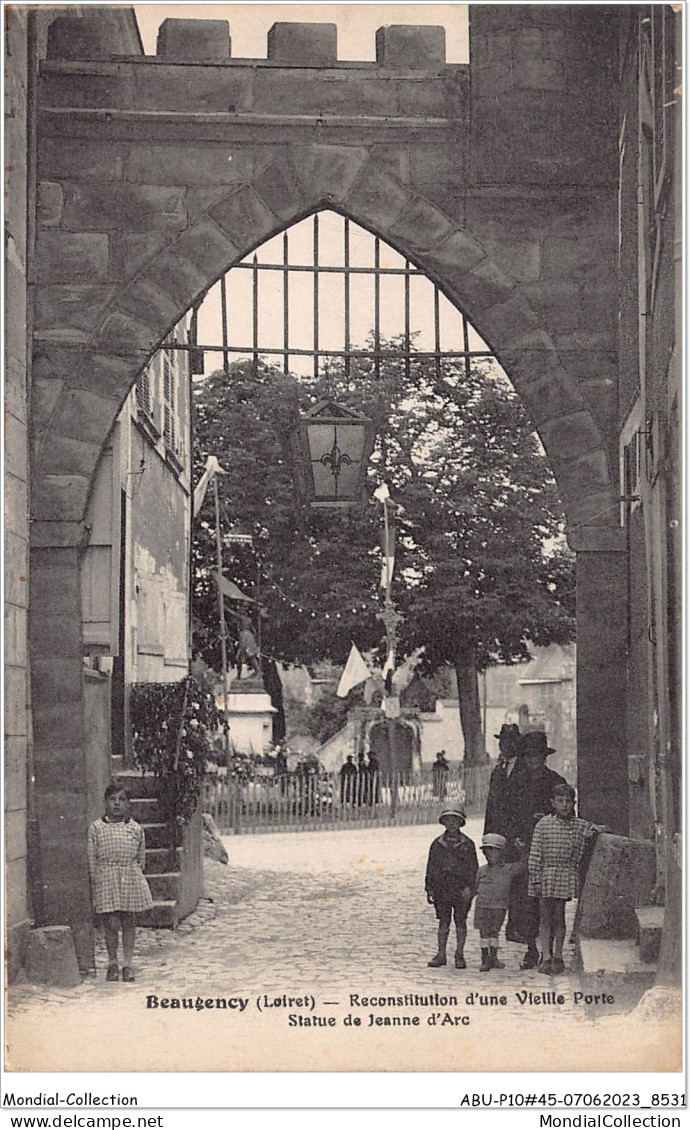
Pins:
x,y
164,883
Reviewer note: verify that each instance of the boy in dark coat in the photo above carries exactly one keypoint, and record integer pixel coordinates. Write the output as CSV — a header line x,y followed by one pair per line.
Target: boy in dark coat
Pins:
x,y
451,872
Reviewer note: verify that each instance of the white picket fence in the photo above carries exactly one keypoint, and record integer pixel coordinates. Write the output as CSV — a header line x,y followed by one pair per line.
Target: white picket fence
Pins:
x,y
321,801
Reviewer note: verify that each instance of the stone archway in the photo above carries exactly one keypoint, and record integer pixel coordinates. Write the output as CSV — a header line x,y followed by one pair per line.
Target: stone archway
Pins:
x,y
155,176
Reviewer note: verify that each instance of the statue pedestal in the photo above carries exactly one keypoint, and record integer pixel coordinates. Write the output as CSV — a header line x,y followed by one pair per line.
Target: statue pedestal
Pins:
x,y
250,715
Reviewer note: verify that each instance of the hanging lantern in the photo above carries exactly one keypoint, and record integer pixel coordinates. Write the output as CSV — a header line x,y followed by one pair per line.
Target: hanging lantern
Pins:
x,y
330,449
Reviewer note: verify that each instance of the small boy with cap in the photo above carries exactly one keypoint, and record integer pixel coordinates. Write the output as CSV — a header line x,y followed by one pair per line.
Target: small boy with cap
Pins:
x,y
494,880
451,872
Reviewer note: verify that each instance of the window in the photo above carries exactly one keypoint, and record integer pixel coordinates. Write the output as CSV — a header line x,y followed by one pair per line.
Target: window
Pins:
x,y
172,431
144,393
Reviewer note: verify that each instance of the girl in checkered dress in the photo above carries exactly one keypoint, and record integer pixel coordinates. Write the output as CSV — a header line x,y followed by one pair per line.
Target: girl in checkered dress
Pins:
x,y
116,853
558,845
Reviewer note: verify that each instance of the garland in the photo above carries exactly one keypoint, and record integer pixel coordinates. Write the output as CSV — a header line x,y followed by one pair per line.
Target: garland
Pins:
x,y
172,735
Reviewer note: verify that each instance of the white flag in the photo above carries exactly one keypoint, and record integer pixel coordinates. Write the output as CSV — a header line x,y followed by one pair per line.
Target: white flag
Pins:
x,y
212,468
354,673
382,493
405,673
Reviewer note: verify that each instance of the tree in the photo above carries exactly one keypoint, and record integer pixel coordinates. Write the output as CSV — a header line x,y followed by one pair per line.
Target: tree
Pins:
x,y
475,506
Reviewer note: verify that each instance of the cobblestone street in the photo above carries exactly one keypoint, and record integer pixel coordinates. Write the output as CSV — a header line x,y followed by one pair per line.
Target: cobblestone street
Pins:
x,y
322,915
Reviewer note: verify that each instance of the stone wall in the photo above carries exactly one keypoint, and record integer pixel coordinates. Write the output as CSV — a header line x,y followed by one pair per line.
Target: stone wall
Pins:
x,y
17,714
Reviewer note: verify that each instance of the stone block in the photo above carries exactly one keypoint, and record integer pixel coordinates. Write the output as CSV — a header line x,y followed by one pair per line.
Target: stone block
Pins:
x,y
279,187
15,635
450,260
65,764
15,389
108,87
15,300
411,45
129,252
245,218
108,375
15,702
15,833
377,199
327,171
190,164
150,305
486,285
199,201
54,718
519,258
63,496
553,393
69,456
49,204
309,92
120,331
584,510
72,257
70,312
207,245
585,338
583,258
45,394
650,923
179,278
17,902
535,73
16,505
558,302
620,877
492,81
15,773
420,226
79,37
16,567
311,45
219,89
194,39
588,474
54,586
424,97
123,207
572,435
503,323
16,453
76,159
51,958
84,415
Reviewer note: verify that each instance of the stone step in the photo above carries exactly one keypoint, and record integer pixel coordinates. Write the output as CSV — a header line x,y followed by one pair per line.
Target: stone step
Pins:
x,y
165,886
139,784
162,914
158,860
612,966
650,923
146,810
156,835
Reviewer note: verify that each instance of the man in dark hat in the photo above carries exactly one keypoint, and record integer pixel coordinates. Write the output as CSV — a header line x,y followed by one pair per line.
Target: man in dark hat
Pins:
x,y
530,799
498,816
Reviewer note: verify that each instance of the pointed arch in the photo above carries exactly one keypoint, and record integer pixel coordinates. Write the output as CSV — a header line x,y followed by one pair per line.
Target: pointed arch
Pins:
x,y
81,384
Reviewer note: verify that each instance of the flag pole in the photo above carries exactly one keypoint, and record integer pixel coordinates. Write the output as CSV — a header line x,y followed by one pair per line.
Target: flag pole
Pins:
x,y
390,619
223,628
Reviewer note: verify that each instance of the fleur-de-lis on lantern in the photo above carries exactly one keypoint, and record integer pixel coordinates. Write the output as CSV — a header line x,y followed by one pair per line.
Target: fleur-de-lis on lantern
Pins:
x,y
335,458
